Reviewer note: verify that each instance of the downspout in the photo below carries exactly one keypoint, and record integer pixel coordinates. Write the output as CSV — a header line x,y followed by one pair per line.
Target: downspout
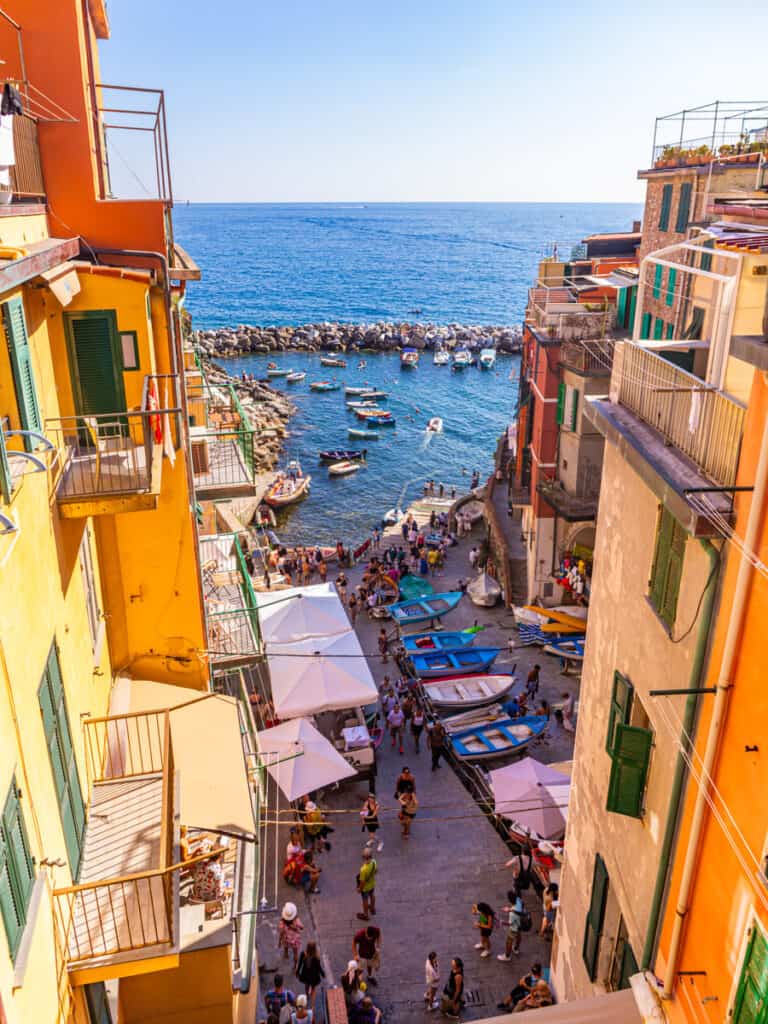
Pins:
x,y
724,685
681,771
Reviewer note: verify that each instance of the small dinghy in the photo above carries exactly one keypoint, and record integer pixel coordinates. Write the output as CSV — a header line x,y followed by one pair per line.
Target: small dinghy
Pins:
x,y
342,455
380,395
364,435
475,716
422,609
361,404
295,377
420,643
324,385
441,357
409,359
392,517
507,736
366,409
381,421
484,591
277,372
459,662
287,489
487,358
435,425
332,361
345,468
468,691
536,615
356,391
571,649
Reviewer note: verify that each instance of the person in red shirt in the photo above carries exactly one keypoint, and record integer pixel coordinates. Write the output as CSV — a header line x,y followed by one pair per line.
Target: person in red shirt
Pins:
x,y
366,948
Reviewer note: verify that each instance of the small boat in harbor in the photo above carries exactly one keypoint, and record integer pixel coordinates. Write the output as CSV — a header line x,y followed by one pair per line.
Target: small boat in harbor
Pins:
x,y
472,691
342,455
392,517
412,587
276,371
324,385
441,357
364,410
435,425
462,358
424,609
458,662
381,396
344,468
295,377
363,435
333,361
484,591
487,358
409,359
291,486
381,421
508,736
420,643
356,391
361,404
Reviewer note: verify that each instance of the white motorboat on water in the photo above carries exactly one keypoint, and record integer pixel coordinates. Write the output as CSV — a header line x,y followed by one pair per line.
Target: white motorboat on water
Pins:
x,y
441,357
487,358
295,377
435,425
392,517
356,391
409,359
343,468
462,358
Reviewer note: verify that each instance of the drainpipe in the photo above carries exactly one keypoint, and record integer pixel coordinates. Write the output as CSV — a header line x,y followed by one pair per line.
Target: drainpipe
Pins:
x,y
724,685
681,769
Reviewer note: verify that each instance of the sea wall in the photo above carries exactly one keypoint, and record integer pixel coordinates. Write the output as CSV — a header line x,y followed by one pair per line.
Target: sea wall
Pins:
x,y
380,337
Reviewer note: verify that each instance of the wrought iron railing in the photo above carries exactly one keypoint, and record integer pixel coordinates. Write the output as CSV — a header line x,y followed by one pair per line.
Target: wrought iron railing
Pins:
x,y
593,358
703,423
125,111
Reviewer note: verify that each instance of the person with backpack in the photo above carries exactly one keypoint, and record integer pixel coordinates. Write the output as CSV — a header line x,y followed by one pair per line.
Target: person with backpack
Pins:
x,y
518,920
277,998
486,919
366,884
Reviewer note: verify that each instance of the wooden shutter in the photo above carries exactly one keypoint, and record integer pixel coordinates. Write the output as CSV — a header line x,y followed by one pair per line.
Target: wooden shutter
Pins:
x,y
706,258
661,557
670,330
574,408
669,298
751,1003
684,207
621,307
668,608
16,870
666,206
5,472
96,363
627,968
595,916
645,326
21,364
629,771
560,402
621,706
658,328
658,273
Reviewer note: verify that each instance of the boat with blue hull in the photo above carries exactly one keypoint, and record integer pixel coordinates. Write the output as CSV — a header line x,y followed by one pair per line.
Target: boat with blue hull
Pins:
x,y
425,608
498,739
324,385
568,648
459,662
420,643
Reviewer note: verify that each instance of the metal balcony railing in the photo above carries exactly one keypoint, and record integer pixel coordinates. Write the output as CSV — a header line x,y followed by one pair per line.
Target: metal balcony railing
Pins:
x,y
552,311
699,133
704,424
137,166
593,358
230,601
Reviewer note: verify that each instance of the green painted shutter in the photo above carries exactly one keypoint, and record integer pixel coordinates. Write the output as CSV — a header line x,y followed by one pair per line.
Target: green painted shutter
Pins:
x,y
658,273
574,408
670,330
658,328
96,363
66,778
751,1005
629,771
669,298
621,307
621,706
632,305
666,206
16,870
645,327
628,967
668,608
560,402
706,258
661,558
684,207
5,471
595,917
21,363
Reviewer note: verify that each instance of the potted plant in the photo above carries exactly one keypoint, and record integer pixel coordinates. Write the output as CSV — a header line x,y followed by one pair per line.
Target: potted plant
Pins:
x,y
6,195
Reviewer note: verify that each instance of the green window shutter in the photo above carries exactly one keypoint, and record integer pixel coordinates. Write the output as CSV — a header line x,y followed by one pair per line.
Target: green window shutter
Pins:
x,y
752,993
668,608
684,207
661,557
670,330
96,362
621,706
658,273
669,298
560,402
666,206
628,967
5,471
658,328
621,307
629,771
645,327
706,258
66,778
632,305
574,409
595,917
16,871
21,363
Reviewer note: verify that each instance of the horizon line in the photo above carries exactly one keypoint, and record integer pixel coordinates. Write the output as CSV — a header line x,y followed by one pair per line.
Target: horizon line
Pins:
x,y
361,203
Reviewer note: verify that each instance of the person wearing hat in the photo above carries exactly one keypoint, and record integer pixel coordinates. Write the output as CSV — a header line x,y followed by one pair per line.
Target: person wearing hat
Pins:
x,y
290,929
353,984
514,910
315,826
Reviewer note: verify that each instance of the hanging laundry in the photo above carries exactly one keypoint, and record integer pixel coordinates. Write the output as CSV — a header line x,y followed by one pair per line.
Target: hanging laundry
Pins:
x,y
7,156
168,449
11,101
695,412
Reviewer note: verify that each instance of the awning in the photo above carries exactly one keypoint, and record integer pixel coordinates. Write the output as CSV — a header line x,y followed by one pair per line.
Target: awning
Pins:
x,y
614,1008
297,613
207,751
63,282
300,759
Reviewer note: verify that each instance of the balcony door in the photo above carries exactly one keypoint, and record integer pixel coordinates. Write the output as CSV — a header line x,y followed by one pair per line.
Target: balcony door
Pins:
x,y
96,364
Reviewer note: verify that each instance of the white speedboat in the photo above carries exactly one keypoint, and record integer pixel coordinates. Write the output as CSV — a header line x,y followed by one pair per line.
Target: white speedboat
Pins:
x,y
392,517
409,359
487,358
435,425
441,357
462,358
344,468
295,377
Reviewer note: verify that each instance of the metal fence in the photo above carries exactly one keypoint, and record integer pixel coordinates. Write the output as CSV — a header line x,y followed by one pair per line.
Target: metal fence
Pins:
x,y
588,357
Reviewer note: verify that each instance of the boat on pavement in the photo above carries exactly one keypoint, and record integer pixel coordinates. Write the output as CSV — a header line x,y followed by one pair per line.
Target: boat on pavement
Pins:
x,y
441,357
363,435
469,691
295,377
343,468
487,358
392,517
537,615
324,385
570,649
409,359
342,454
419,643
412,587
435,425
484,591
497,739
475,716
333,361
422,609
458,662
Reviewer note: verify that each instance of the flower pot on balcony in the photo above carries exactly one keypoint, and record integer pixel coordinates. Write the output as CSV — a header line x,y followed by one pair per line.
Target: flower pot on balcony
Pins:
x,y
6,196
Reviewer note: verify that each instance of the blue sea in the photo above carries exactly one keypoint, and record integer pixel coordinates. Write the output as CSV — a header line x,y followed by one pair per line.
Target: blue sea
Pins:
x,y
457,263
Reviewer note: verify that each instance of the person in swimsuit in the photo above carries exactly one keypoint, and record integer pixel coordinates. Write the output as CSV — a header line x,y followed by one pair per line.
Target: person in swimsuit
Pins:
x,y
371,824
453,993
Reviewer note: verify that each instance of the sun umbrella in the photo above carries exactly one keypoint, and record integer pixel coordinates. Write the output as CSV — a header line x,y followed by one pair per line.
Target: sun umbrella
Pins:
x,y
300,759
321,674
286,616
534,795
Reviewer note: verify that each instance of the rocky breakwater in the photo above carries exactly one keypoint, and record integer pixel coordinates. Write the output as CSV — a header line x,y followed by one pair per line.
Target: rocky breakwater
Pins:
x,y
267,409
378,337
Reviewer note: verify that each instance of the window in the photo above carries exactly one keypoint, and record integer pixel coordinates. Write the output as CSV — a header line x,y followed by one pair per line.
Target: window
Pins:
x,y
645,326
6,482
706,258
17,875
696,325
98,1003
595,917
129,343
669,297
570,411
628,742
560,402
666,206
53,706
667,571
670,330
752,992
658,328
621,707
20,353
658,273
91,590
684,207
623,962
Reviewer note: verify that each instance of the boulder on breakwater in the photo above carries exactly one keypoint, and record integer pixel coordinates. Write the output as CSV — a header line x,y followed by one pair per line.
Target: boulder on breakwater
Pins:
x,y
379,337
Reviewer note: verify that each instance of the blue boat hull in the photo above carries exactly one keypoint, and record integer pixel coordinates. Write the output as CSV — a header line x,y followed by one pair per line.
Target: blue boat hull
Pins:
x,y
421,643
507,736
461,661
426,608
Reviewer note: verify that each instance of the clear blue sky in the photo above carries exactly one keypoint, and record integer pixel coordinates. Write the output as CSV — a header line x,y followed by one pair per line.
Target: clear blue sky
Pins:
x,y
394,101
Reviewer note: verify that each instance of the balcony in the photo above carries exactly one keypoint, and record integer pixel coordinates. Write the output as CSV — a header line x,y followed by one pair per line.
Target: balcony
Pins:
x,y
556,312
588,358
137,166
222,440
112,462
574,508
230,602
724,132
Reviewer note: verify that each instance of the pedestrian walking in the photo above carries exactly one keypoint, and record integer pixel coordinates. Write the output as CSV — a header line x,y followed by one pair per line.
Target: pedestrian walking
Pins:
x,y
366,949
409,804
549,904
405,783
310,972
366,884
370,818
352,607
376,536
322,569
353,984
278,997
383,645
431,980
316,828
452,1001
514,911
302,1015
484,924
437,744
417,726
388,698
568,711
532,683
395,721
289,932
408,705
474,554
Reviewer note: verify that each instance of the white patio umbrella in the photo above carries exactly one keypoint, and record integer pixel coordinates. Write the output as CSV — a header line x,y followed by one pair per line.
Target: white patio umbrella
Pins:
x,y
321,674
300,759
286,616
533,795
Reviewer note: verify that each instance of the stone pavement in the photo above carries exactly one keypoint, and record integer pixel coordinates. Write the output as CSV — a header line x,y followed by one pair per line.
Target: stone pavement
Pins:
x,y
428,883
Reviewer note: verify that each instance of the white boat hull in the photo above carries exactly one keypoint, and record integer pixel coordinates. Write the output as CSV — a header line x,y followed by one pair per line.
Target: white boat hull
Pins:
x,y
468,691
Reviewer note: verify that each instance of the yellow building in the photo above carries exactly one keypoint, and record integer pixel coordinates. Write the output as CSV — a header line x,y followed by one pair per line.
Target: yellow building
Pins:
x,y
104,666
